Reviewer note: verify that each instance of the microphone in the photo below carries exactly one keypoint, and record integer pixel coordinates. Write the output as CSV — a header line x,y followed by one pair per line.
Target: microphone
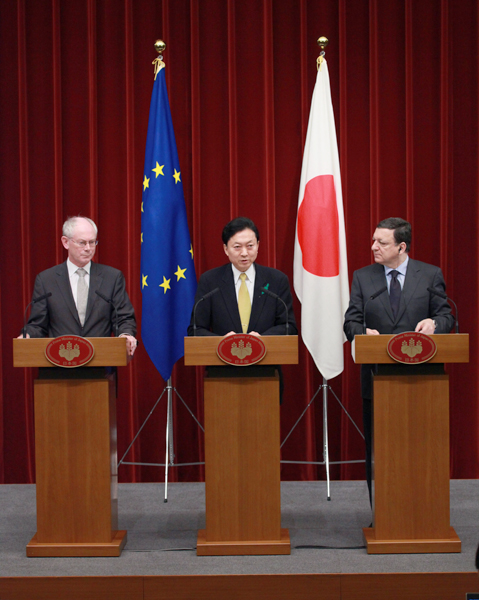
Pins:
x,y
208,295
446,297
34,301
273,295
110,301
372,297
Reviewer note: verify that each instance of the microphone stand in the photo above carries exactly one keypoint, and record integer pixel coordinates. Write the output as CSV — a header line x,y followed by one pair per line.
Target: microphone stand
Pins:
x,y
34,301
276,297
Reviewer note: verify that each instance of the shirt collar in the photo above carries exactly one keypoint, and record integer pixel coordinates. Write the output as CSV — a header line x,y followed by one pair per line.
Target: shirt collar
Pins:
x,y
401,269
250,273
73,268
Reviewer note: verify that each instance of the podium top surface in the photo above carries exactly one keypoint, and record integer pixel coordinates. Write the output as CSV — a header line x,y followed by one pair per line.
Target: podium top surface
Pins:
x,y
451,348
109,352
280,350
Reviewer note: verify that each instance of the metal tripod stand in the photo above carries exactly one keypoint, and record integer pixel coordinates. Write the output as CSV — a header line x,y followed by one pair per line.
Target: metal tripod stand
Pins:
x,y
170,452
325,387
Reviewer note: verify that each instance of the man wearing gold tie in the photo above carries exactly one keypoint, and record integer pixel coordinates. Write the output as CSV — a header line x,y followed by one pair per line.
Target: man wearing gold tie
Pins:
x,y
235,301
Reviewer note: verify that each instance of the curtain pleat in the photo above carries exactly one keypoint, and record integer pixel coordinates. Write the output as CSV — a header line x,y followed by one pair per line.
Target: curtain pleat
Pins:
x,y
74,102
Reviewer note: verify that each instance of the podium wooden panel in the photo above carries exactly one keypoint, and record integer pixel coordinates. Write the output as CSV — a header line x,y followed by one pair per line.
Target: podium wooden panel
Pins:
x,y
242,453
75,455
411,450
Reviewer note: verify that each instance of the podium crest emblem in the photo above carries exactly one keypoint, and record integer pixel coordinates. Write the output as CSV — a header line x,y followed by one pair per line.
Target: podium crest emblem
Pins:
x,y
69,351
241,349
412,348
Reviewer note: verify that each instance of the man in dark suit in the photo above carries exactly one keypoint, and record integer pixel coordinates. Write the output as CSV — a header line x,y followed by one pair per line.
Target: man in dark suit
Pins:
x,y
219,314
405,305
64,312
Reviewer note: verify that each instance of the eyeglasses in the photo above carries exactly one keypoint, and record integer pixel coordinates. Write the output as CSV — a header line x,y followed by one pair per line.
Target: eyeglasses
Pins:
x,y
83,243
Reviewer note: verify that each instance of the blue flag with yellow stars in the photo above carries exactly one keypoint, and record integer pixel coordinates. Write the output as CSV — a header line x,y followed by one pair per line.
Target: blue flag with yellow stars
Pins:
x,y
168,279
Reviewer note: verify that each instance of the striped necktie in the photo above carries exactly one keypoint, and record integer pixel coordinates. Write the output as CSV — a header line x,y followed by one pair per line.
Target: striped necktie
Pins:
x,y
394,292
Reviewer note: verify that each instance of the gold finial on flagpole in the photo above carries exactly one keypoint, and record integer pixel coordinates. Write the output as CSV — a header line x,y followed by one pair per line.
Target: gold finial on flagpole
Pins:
x,y
158,63
322,43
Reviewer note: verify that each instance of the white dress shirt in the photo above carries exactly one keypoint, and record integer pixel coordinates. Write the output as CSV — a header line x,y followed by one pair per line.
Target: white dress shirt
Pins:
x,y
73,276
250,275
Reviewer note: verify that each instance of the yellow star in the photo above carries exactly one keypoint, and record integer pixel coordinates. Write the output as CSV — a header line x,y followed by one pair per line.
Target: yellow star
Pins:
x,y
176,175
158,170
143,281
191,250
142,206
142,237
166,284
180,273
146,183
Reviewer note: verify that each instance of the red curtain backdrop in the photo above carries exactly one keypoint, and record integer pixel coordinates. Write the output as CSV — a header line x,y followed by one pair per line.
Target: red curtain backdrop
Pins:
x,y
76,80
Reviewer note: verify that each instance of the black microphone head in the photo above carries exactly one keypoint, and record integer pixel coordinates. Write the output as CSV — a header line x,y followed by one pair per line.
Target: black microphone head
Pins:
x,y
269,292
42,297
378,293
211,293
437,292
103,297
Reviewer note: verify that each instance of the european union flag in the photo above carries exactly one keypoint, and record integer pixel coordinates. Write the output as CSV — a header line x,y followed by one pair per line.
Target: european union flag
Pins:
x,y
168,279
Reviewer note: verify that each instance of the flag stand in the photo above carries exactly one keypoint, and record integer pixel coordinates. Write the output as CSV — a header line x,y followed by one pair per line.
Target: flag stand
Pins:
x,y
324,387
169,453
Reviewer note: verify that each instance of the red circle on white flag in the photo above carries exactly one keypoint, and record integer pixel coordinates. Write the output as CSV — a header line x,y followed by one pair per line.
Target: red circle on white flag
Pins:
x,y
318,227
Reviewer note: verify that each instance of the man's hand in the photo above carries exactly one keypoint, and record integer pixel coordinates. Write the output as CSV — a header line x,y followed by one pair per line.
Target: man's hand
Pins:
x,y
131,343
425,326
371,331
250,333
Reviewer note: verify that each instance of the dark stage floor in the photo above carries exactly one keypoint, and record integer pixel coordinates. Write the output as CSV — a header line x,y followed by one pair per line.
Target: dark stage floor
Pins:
x,y
326,537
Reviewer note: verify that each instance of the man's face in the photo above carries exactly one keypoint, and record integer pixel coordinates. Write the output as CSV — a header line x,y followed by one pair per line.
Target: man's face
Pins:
x,y
242,249
80,254
385,250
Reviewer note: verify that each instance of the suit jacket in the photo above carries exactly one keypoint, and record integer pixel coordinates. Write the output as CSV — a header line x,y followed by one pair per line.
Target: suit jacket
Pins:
x,y
416,304
219,314
58,314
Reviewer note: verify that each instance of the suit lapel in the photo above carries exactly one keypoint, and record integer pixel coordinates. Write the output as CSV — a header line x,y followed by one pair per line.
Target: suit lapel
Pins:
x,y
378,279
96,280
228,291
259,297
413,275
63,282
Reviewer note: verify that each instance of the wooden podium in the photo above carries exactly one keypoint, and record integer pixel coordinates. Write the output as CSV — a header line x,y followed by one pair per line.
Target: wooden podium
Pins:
x,y
411,448
75,452
242,450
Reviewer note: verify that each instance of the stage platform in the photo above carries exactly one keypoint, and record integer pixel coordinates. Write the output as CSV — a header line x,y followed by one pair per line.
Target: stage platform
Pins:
x,y
328,558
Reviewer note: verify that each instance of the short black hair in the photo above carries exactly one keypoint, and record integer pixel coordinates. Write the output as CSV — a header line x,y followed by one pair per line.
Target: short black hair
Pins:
x,y
402,230
236,225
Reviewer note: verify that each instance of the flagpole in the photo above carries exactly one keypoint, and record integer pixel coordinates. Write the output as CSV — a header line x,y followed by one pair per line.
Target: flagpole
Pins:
x,y
168,278
320,264
169,455
325,436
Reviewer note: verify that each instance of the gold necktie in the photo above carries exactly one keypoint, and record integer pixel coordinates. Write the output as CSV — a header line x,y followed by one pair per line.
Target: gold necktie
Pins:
x,y
244,303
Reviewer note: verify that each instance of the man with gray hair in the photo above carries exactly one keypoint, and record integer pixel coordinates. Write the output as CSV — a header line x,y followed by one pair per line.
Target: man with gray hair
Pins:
x,y
86,298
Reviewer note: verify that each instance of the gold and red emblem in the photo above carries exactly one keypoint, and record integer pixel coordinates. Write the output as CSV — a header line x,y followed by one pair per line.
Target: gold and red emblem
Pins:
x,y
412,348
69,351
241,349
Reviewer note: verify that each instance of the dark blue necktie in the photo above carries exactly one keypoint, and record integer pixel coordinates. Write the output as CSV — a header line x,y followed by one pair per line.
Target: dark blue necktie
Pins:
x,y
394,292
